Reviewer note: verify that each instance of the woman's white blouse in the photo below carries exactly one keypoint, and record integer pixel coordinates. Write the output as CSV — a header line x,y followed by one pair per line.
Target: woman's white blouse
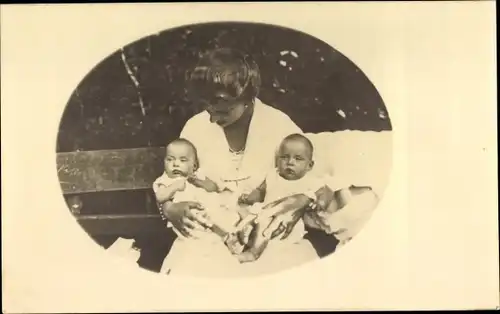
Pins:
x,y
240,172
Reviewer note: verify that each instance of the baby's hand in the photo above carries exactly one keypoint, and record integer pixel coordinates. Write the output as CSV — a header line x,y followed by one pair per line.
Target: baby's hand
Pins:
x,y
191,178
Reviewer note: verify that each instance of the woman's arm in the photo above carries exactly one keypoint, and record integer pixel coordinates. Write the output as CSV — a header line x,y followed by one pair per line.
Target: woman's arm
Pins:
x,y
205,183
345,212
256,196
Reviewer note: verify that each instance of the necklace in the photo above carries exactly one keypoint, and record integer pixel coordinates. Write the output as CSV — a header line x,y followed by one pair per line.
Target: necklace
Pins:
x,y
249,111
236,159
237,152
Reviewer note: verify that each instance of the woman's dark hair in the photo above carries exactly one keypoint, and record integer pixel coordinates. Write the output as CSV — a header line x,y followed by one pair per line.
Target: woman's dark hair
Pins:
x,y
225,70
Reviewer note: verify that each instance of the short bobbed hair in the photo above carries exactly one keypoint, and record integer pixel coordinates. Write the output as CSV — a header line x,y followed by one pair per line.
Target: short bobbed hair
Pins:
x,y
224,70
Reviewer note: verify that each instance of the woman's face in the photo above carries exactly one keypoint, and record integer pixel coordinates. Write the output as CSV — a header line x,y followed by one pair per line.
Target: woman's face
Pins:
x,y
224,110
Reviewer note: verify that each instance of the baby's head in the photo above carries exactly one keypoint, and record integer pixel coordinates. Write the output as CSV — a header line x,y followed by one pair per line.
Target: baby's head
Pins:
x,y
181,158
295,157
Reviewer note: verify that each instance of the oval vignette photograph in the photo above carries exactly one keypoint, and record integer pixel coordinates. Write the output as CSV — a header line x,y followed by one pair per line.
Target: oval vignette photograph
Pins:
x,y
224,149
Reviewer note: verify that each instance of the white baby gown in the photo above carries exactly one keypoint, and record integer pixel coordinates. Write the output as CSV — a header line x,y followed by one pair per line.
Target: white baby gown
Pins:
x,y
206,255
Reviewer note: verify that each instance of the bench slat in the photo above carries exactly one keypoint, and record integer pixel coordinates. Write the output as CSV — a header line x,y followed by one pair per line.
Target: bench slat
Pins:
x,y
109,170
121,224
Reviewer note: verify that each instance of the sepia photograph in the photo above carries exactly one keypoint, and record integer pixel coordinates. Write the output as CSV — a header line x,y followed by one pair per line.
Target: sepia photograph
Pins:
x,y
191,157
224,149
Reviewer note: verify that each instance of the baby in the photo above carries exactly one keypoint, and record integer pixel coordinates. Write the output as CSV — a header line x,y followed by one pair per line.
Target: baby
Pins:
x,y
294,161
184,181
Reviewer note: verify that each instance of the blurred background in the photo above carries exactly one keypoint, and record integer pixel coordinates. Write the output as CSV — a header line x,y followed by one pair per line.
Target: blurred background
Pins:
x,y
318,87
136,97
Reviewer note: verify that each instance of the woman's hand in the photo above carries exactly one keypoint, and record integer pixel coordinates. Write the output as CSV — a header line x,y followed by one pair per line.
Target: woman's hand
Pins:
x,y
186,217
347,210
285,214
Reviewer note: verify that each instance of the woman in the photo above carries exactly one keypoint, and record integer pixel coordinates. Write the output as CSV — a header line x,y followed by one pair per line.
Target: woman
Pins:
x,y
236,138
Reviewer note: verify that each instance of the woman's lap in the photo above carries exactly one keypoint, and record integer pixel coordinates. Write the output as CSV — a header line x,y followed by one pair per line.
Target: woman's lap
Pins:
x,y
220,263
281,257
192,257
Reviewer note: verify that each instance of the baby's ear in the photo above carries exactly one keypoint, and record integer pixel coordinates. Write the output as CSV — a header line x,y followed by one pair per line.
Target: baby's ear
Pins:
x,y
311,164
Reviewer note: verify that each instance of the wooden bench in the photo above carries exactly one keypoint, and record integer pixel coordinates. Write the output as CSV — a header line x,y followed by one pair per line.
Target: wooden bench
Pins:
x,y
127,174
112,174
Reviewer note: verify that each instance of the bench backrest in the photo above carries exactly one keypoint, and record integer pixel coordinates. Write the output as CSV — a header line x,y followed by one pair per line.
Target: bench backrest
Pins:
x,y
88,172
109,170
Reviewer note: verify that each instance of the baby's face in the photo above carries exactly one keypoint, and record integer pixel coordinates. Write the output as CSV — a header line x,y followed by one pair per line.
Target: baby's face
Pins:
x,y
180,160
294,159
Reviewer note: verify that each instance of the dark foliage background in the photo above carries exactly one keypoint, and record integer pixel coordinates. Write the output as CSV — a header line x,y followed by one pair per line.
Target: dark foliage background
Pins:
x,y
318,87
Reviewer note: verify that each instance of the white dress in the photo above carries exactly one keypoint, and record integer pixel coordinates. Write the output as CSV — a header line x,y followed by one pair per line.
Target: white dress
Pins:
x,y
239,173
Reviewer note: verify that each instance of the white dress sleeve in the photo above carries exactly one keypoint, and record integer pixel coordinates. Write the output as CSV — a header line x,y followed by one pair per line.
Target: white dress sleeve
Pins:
x,y
199,131
347,222
290,127
192,132
200,174
162,180
337,182
314,184
284,127
268,129
189,130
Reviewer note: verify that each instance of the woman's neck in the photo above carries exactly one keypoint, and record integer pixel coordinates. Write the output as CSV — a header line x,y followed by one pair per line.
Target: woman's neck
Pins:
x,y
243,122
236,133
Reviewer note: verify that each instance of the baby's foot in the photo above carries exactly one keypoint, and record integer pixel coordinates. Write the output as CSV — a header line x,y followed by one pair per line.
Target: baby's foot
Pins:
x,y
247,257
